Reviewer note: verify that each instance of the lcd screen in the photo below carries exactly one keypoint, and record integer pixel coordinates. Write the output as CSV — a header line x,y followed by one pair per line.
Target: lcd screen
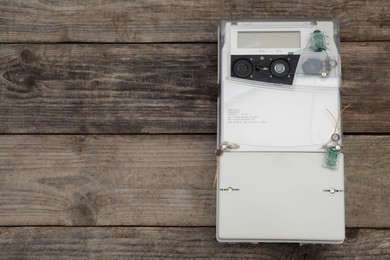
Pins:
x,y
269,40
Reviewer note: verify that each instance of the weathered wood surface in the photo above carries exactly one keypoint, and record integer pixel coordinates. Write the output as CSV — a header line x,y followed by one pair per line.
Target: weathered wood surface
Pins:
x,y
152,180
173,243
175,21
108,88
154,88
160,183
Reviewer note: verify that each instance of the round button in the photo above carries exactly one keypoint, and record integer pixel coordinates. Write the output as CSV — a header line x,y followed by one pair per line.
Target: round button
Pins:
x,y
332,190
242,68
313,66
280,68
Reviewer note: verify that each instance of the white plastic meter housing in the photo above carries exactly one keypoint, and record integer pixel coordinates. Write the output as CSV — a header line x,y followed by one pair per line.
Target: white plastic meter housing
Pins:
x,y
279,105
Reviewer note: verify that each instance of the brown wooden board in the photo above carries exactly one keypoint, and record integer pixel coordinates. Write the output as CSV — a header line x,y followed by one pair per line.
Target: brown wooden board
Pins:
x,y
173,243
154,88
152,180
150,67
175,21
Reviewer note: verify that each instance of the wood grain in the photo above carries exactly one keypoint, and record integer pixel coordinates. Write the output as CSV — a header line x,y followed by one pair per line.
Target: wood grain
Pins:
x,y
366,87
154,88
108,88
173,243
175,21
122,196
152,180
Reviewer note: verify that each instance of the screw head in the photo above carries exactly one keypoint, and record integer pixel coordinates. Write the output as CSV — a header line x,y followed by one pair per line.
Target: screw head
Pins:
x,y
335,137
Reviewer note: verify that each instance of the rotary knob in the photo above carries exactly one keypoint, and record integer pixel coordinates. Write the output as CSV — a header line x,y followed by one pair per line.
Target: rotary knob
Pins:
x,y
242,68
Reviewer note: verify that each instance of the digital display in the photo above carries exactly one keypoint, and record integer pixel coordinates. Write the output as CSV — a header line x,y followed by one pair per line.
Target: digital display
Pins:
x,y
268,40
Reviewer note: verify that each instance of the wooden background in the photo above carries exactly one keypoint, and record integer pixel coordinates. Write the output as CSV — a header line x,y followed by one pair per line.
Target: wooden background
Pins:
x,y
108,122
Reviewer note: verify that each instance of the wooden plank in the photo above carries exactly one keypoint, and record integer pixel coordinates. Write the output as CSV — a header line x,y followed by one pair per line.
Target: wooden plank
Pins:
x,y
360,180
175,21
152,180
173,243
366,88
148,88
108,88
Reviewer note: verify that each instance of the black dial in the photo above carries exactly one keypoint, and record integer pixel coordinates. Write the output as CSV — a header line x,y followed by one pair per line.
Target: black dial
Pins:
x,y
242,68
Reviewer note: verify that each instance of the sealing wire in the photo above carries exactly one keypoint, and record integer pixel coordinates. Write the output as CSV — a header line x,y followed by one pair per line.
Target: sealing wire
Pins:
x,y
337,127
216,173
